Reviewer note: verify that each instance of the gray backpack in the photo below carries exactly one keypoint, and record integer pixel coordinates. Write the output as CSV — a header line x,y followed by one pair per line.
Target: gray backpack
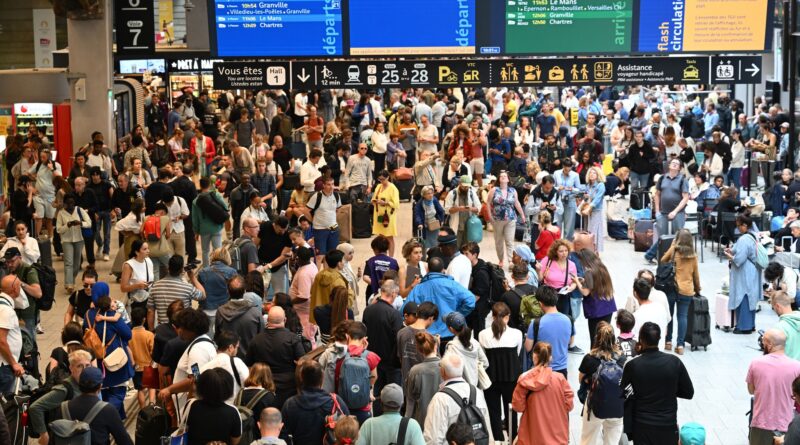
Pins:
x,y
66,431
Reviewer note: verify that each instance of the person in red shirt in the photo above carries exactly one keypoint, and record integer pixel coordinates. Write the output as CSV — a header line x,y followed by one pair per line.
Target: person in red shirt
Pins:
x,y
547,234
356,344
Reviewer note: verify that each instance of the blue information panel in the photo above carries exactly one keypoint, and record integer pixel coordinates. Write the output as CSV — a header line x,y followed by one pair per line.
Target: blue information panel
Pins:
x,y
428,27
278,28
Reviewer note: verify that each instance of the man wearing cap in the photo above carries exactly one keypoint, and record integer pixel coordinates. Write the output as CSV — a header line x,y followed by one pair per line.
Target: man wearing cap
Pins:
x,y
44,171
10,334
692,433
79,360
460,203
445,293
28,284
103,418
387,427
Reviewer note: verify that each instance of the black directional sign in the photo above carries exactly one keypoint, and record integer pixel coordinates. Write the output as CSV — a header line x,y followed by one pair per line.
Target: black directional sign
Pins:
x,y
736,69
251,75
134,24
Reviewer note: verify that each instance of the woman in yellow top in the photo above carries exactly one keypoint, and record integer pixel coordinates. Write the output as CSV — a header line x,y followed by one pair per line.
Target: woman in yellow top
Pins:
x,y
385,202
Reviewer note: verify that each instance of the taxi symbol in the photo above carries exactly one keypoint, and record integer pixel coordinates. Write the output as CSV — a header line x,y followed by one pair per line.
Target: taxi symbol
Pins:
x,y
691,72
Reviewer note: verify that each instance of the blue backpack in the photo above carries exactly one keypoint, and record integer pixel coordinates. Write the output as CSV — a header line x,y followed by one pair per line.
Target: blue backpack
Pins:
x,y
354,385
605,398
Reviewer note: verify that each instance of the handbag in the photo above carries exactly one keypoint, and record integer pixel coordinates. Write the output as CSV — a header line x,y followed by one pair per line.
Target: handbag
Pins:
x,y
385,221
181,435
484,382
86,232
117,359
434,225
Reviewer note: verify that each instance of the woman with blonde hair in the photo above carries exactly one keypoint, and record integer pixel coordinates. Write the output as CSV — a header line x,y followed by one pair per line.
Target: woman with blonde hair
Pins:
x,y
609,429
545,399
214,279
594,205
687,285
258,389
346,431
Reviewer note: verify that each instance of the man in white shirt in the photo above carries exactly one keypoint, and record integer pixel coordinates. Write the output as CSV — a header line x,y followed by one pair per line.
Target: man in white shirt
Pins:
x,y
177,210
460,268
648,310
323,206
192,326
428,136
227,349
309,171
300,108
10,334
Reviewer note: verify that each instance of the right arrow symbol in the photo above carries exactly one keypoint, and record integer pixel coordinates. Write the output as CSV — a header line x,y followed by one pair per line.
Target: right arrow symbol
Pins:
x,y
753,70
303,76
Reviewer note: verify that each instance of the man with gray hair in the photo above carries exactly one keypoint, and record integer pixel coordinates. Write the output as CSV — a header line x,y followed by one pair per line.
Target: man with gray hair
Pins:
x,y
383,322
270,423
358,173
769,379
444,409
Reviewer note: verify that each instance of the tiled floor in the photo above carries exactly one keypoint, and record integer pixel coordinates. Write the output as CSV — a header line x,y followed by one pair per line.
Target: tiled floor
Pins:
x,y
720,400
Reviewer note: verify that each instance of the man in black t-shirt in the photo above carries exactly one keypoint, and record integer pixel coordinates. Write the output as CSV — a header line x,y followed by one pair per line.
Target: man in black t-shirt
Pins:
x,y
81,300
274,249
513,298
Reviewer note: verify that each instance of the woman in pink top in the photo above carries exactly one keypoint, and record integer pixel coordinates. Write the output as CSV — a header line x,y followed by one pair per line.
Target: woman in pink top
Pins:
x,y
545,399
300,290
557,270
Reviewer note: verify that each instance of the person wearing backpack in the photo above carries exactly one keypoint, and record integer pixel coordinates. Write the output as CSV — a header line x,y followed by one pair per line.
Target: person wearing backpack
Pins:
x,y
357,372
38,411
456,402
101,417
600,393
669,204
545,399
306,414
687,285
391,426
745,276
514,297
207,229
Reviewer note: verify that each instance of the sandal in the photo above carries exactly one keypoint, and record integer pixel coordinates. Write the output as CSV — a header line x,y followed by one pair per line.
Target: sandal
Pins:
x,y
679,350
668,346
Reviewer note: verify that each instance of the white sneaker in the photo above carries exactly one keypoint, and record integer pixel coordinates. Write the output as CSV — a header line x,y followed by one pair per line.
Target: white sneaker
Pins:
x,y
39,329
105,257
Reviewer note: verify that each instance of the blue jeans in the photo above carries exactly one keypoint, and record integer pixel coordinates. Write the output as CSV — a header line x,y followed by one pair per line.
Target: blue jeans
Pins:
x,y
105,241
735,177
639,180
207,241
6,379
568,223
325,240
429,238
663,228
115,396
683,302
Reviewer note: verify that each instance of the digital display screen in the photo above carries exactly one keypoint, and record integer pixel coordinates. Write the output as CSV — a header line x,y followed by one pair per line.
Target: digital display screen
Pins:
x,y
139,66
450,30
278,28
384,28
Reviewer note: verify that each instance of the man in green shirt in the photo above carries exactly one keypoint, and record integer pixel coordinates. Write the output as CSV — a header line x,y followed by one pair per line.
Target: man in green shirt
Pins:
x,y
386,427
48,403
29,279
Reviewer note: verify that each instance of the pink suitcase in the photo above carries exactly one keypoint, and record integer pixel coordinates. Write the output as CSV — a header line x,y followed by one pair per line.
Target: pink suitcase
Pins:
x,y
725,318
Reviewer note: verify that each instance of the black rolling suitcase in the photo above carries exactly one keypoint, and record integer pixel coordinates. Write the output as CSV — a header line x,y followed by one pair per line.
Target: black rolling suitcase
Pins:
x,y
152,423
404,187
46,251
362,220
698,328
640,198
664,241
285,196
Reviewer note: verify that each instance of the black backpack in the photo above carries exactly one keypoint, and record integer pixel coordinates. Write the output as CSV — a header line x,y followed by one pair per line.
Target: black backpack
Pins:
x,y
160,155
497,279
212,208
47,281
470,415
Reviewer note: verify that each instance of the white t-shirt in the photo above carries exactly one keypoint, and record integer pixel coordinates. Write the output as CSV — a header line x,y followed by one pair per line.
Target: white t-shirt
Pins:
x,y
460,269
275,170
300,101
325,215
427,133
655,313
9,320
199,352
223,360
174,211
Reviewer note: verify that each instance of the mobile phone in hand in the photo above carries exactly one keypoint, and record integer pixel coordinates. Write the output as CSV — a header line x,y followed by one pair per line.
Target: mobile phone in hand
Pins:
x,y
195,371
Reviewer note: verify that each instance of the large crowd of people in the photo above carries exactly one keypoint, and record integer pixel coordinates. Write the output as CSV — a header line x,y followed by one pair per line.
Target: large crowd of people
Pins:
x,y
270,334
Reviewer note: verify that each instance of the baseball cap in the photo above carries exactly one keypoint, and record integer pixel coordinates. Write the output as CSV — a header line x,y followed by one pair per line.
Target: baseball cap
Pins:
x,y
12,252
693,433
455,320
91,377
465,179
392,396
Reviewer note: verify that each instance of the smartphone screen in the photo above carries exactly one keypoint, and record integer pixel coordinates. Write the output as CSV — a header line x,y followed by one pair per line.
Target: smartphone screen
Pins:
x,y
196,371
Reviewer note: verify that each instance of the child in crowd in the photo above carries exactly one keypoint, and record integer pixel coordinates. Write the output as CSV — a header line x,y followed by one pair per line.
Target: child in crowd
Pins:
x,y
625,323
297,240
141,347
307,230
409,314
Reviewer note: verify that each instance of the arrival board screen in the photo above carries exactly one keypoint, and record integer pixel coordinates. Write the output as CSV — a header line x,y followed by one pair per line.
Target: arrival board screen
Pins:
x,y
377,28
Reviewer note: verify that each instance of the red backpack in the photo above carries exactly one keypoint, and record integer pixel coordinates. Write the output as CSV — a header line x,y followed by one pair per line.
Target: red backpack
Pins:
x,y
152,229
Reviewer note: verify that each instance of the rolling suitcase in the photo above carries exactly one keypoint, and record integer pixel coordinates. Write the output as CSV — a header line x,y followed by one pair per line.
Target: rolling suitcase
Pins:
x,y
15,407
46,251
664,241
343,219
724,318
361,220
643,234
698,329
285,197
152,423
290,181
640,198
404,186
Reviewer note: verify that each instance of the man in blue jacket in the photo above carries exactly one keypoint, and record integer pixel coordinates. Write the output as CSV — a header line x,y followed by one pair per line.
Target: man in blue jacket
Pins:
x,y
446,294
